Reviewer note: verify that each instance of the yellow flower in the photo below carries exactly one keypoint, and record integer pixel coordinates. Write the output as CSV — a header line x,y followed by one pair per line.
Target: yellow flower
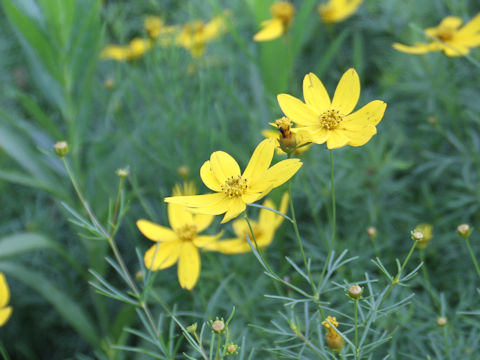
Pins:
x,y
157,30
263,229
134,50
427,231
282,14
5,311
333,121
195,35
233,190
448,37
299,141
180,243
334,340
338,10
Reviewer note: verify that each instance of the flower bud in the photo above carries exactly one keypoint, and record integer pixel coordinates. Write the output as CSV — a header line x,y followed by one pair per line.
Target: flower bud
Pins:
x,y
355,292
334,341
218,326
122,173
109,83
192,328
426,230
442,321
139,275
61,149
417,235
372,232
464,230
232,349
183,171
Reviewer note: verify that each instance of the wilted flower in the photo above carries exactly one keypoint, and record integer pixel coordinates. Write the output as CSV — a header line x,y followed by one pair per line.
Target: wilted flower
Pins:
x,y
338,10
334,340
282,14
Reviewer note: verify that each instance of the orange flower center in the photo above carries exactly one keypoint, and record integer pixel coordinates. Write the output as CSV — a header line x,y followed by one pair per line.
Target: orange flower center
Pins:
x,y
330,119
234,186
444,33
187,232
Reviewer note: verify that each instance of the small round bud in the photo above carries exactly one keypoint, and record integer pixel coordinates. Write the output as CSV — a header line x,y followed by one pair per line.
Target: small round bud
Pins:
x,y
192,328
183,171
372,232
232,349
122,173
427,231
139,275
432,119
218,326
442,321
355,292
464,230
109,83
61,148
417,235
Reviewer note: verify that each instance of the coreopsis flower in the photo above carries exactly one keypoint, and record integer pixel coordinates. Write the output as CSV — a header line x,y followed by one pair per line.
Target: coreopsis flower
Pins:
x,y
180,243
195,35
282,15
157,30
333,121
263,230
426,230
448,37
5,310
338,10
334,340
290,140
134,50
234,190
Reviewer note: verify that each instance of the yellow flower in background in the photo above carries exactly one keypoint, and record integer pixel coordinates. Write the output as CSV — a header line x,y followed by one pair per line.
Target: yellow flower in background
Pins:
x,y
233,190
263,229
196,34
157,30
180,243
338,10
5,311
134,50
282,15
448,37
427,231
288,138
333,121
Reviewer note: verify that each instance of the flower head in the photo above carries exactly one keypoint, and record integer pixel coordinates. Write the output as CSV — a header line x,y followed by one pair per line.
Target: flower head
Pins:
x,y
178,243
134,50
426,230
282,15
448,37
334,340
338,10
195,35
157,30
290,140
263,229
234,190
5,311
333,121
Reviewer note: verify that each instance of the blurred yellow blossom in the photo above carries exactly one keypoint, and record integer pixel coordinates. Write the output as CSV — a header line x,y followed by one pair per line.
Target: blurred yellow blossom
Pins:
x,y
282,15
233,190
179,243
5,311
427,231
157,30
338,10
333,121
263,229
448,37
134,50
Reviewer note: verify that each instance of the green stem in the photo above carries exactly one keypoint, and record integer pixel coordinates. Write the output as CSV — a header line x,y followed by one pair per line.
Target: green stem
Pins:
x,y
355,302
426,278
219,341
467,240
447,344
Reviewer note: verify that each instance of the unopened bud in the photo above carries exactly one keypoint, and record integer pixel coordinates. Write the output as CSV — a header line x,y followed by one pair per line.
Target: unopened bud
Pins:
x,y
139,275
334,341
427,231
192,328
464,230
355,292
218,326
122,173
417,235
232,349
183,171
442,321
61,148
372,232
109,83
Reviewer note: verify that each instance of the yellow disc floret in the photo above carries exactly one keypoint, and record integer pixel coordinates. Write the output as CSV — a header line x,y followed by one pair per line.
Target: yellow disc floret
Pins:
x,y
234,186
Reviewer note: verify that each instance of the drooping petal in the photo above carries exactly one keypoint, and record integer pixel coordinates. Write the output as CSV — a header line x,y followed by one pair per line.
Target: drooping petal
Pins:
x,y
5,314
271,29
260,160
236,207
4,291
283,209
347,92
205,241
315,93
178,216
417,48
296,110
223,166
230,246
208,177
454,49
370,114
162,255
155,232
202,221
337,139
281,172
196,200
188,266
266,218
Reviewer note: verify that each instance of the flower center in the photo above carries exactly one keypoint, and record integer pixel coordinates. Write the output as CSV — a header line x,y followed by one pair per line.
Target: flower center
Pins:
x,y
330,119
234,186
187,232
283,10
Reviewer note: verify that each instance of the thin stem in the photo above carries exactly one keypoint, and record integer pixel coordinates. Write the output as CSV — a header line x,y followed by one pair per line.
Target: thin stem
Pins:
x,y
467,240
426,278
219,341
355,303
447,344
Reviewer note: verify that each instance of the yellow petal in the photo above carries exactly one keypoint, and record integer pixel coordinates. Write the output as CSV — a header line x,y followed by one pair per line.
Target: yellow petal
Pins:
x,y
315,94
178,216
115,52
452,49
472,27
235,208
370,114
452,22
260,160
202,221
208,177
4,291
162,255
281,172
337,139
230,246
296,110
283,209
223,166
214,208
5,314
318,134
188,266
214,28
251,197
272,29
347,92
240,227
196,200
155,232
205,241
361,136
417,48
